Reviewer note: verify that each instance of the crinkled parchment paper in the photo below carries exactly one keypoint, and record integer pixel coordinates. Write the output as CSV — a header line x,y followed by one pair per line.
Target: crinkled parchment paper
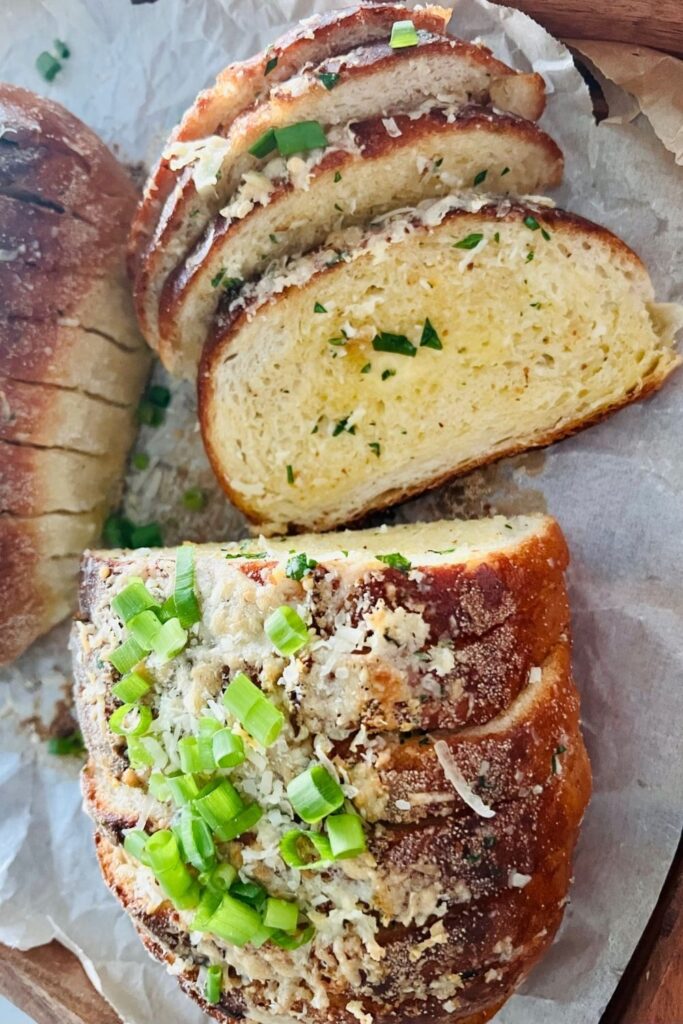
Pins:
x,y
616,489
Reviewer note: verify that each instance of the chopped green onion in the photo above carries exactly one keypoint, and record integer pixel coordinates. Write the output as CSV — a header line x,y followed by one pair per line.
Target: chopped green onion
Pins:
x,y
469,242
305,851
531,223
208,905
298,565
245,554
140,460
396,343
241,823
147,536
194,499
158,786
48,66
133,599
281,914
253,710
131,688
479,178
194,836
249,892
134,844
346,835
329,79
145,627
218,803
228,749
130,720
264,145
209,726
286,630
395,561
139,756
171,640
234,921
183,788
430,339
65,745
285,941
127,656
271,64
213,986
220,879
299,138
314,793
167,610
184,593
403,33
164,859
262,935
195,757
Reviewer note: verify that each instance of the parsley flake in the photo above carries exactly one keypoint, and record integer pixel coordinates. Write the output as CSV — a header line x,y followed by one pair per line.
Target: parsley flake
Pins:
x,y
479,178
290,475
395,561
469,242
299,565
374,446
319,308
429,338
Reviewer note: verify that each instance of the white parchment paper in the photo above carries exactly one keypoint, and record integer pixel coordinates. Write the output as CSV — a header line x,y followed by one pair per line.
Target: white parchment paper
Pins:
x,y
617,490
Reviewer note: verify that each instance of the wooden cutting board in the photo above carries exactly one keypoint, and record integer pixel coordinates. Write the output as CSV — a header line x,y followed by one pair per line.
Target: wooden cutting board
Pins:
x,y
48,982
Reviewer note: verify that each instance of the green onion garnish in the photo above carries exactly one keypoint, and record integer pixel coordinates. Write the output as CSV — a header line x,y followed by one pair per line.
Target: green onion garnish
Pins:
x,y
140,460
396,343
139,756
299,565
241,823
134,844
194,499
234,921
531,223
131,688
281,914
305,850
403,33
145,627
479,178
228,749
285,941
264,145
130,720
170,640
271,64
346,835
429,338
195,757
469,242
167,610
245,554
194,836
314,794
164,859
213,985
182,788
395,561
249,892
329,79
299,138
221,878
133,599
48,66
207,907
253,710
286,630
184,593
127,656
218,803
158,786
62,746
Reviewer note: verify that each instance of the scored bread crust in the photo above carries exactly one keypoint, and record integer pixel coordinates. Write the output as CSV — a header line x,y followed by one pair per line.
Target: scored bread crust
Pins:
x,y
377,172
238,87
375,79
72,363
270,295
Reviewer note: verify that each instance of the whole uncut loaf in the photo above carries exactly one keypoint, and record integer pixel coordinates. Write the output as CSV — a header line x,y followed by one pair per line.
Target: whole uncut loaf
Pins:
x,y
431,681
72,363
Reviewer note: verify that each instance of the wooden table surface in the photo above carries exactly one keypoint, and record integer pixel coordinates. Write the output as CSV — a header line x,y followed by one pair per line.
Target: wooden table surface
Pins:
x,y
48,982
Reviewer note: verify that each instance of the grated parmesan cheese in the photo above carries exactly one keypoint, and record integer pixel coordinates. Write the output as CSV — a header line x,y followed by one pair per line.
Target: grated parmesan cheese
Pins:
x,y
458,782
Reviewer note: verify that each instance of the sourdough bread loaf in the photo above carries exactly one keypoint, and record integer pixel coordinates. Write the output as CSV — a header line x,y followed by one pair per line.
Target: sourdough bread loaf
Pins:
x,y
470,776
72,363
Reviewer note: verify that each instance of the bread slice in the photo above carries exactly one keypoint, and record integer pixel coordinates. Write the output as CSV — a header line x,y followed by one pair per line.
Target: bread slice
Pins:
x,y
545,323
372,166
37,480
470,827
244,83
373,80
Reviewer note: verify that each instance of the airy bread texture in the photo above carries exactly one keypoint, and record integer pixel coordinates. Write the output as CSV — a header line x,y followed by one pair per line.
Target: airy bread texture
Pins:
x,y
72,363
372,166
544,323
470,829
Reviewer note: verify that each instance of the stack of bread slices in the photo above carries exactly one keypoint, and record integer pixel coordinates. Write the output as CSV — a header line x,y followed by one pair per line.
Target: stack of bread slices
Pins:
x,y
349,231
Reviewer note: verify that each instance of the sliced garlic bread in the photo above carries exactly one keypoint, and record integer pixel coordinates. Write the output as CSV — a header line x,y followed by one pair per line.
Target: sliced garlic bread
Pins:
x,y
436,342
370,81
372,166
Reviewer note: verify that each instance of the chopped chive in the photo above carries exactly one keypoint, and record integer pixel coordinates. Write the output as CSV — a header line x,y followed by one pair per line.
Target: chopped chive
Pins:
x,y
213,986
319,308
469,242
140,460
479,178
531,223
396,343
395,561
299,138
194,499
343,425
430,339
290,475
403,33
329,79
545,234
264,145
386,374
374,446
64,746
48,66
506,170
337,177
270,65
